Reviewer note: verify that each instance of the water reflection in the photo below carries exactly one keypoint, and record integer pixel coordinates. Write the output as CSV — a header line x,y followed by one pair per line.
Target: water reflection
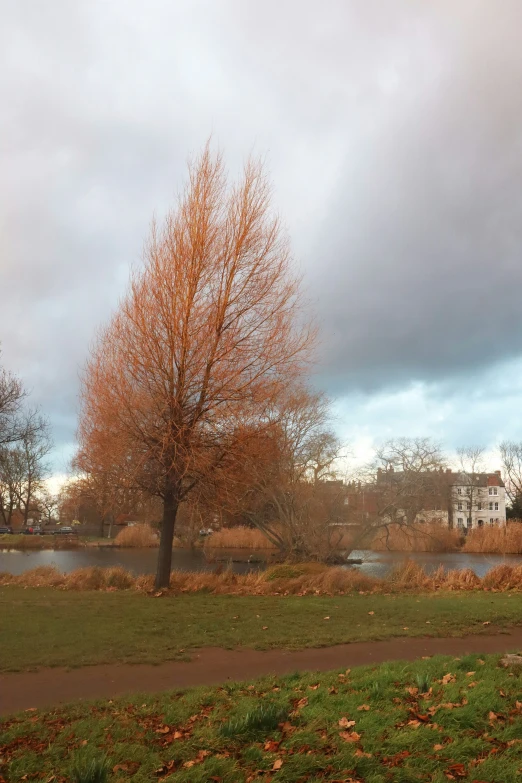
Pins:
x,y
143,561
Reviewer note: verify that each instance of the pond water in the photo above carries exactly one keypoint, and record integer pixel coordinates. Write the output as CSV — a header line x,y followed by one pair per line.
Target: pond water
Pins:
x,y
143,561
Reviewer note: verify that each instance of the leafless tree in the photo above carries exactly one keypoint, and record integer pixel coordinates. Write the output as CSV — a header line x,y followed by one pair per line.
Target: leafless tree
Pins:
x,y
468,492
405,485
511,456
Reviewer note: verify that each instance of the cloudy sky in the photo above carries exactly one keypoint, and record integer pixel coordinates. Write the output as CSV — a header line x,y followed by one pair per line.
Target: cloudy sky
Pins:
x,y
393,132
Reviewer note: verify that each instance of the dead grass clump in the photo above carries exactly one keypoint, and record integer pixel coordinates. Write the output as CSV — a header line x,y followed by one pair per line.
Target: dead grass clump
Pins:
x,y
408,575
41,576
136,536
238,538
430,537
463,579
118,578
503,577
88,578
495,539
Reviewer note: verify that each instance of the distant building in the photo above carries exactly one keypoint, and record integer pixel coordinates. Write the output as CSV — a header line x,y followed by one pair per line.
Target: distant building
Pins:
x,y
457,499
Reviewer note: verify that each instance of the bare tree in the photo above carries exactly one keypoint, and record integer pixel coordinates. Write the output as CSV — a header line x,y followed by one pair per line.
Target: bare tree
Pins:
x,y
511,455
204,341
405,485
468,494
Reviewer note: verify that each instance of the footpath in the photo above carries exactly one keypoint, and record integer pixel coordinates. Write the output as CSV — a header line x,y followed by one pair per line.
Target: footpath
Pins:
x,y
48,688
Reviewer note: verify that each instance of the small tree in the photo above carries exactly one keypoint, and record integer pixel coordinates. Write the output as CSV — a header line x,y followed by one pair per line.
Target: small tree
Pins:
x,y
204,341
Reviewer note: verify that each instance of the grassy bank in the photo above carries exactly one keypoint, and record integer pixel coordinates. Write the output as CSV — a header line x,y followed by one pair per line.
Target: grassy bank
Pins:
x,y
434,720
42,627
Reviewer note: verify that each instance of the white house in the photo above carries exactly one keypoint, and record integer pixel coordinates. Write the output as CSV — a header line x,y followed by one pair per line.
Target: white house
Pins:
x,y
478,499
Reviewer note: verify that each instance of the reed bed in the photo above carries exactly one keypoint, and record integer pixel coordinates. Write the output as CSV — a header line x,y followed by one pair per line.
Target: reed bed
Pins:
x,y
301,579
238,538
503,540
432,537
136,536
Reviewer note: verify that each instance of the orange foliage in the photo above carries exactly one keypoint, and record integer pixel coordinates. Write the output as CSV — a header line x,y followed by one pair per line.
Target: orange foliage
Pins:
x,y
203,342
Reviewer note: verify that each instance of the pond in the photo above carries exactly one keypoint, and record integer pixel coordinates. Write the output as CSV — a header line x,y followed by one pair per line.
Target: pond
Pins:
x,y
143,561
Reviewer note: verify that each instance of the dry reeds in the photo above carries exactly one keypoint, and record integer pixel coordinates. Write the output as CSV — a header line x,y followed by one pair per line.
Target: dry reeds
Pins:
x,y
34,542
431,537
238,538
495,539
292,579
137,536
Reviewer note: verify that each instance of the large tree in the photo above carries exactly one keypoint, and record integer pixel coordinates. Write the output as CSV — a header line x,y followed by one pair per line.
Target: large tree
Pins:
x,y
204,341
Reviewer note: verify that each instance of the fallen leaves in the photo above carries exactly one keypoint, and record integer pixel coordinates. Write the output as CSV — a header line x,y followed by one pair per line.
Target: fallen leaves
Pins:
x,y
278,763
350,736
363,708
128,766
456,771
447,679
344,723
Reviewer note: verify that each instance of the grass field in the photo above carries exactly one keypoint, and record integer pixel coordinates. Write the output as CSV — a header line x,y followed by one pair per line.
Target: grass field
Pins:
x,y
48,627
435,720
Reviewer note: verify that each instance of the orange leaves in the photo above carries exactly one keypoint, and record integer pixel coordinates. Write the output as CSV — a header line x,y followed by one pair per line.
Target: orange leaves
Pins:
x,y
363,708
447,679
278,763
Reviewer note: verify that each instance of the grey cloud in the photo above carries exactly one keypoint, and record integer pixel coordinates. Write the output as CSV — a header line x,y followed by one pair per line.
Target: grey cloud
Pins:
x,y
393,136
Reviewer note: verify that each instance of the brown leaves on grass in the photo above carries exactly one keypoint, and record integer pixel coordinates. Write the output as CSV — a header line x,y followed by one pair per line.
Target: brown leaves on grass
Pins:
x,y
456,771
350,736
344,723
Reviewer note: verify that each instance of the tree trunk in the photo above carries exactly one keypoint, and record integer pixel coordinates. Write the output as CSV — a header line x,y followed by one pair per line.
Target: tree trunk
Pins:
x,y
170,510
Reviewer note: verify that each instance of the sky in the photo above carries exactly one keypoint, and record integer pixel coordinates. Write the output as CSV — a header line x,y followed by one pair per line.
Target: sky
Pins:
x,y
393,136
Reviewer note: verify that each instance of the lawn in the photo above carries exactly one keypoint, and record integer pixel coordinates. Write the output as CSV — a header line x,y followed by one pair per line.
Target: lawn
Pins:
x,y
435,720
49,627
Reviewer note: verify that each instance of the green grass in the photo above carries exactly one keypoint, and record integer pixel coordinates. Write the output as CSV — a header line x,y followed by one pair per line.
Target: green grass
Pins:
x,y
48,627
468,725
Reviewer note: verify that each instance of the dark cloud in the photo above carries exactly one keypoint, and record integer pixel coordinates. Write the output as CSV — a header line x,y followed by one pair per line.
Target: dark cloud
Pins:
x,y
393,135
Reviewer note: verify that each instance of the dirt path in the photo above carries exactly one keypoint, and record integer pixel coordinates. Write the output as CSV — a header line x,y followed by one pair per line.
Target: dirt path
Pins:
x,y
210,666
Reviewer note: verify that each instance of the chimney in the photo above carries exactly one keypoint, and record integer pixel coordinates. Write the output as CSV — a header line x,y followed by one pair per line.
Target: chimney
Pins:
x,y
448,471
498,473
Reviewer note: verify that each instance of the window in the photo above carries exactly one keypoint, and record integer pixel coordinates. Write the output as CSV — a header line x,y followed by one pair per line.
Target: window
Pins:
x,y
459,506
469,521
459,491
493,490
480,522
460,522
491,521
491,506
468,506
496,506
479,506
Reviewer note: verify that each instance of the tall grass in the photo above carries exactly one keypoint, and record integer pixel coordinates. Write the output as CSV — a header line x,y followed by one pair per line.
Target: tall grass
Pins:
x,y
431,537
302,579
503,540
238,538
137,536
